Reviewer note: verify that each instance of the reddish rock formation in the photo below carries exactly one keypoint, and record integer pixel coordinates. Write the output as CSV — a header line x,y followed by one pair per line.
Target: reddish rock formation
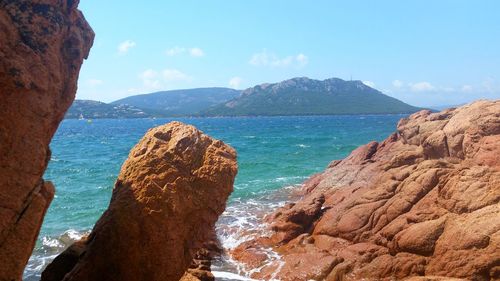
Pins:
x,y
199,270
424,202
166,200
43,44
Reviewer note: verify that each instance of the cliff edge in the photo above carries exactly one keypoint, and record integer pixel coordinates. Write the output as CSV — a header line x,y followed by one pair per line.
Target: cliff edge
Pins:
x,y
43,44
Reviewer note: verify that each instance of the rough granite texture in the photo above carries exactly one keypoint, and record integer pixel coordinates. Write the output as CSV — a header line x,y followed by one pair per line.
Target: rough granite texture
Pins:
x,y
42,46
424,202
166,200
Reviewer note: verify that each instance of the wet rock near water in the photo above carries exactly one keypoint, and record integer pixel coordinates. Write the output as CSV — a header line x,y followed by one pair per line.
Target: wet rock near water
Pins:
x,y
423,202
166,200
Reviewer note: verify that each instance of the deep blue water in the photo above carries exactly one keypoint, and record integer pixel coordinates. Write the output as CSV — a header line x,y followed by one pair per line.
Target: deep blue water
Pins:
x,y
273,152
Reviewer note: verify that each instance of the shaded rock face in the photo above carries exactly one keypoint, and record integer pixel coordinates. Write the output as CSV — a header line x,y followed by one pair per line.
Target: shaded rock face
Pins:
x,y
199,270
166,200
43,44
424,202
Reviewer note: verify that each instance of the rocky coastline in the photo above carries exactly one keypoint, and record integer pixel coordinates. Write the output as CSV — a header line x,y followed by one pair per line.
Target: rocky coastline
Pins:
x,y
424,202
170,192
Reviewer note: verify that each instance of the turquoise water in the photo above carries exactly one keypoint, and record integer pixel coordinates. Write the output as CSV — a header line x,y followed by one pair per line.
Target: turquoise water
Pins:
x,y
273,153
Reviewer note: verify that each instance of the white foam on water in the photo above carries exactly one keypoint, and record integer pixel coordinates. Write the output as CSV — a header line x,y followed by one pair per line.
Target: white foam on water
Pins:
x,y
288,179
49,249
51,242
281,263
232,276
242,221
75,235
34,269
240,269
272,256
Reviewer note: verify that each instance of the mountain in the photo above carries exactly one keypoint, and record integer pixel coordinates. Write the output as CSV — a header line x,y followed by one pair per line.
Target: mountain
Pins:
x,y
297,96
304,96
96,109
181,102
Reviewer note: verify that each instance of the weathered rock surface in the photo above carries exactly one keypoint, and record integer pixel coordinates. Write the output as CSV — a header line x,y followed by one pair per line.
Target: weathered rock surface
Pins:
x,y
43,44
424,202
166,200
199,270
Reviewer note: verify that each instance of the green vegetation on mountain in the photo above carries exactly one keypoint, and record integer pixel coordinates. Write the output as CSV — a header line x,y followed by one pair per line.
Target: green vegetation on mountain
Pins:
x,y
90,109
304,96
181,102
297,96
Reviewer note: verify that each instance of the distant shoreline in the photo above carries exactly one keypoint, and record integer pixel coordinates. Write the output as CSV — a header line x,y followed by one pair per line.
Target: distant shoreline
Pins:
x,y
249,116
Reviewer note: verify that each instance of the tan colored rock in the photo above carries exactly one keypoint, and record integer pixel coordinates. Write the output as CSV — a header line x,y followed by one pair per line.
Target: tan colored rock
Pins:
x,y
166,200
250,254
43,44
424,202
302,266
299,218
420,238
197,275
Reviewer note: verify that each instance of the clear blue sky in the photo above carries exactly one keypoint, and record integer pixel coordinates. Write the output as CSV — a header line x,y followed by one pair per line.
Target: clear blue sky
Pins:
x,y
422,52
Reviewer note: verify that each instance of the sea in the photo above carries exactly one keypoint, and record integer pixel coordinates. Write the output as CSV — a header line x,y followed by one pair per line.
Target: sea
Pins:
x,y
275,155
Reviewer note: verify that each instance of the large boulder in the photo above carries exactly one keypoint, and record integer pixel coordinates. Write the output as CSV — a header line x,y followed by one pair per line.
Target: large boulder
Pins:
x,y
424,202
166,200
43,44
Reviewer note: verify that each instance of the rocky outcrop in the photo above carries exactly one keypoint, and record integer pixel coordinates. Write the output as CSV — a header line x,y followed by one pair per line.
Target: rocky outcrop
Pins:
x,y
199,270
43,44
166,200
424,202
